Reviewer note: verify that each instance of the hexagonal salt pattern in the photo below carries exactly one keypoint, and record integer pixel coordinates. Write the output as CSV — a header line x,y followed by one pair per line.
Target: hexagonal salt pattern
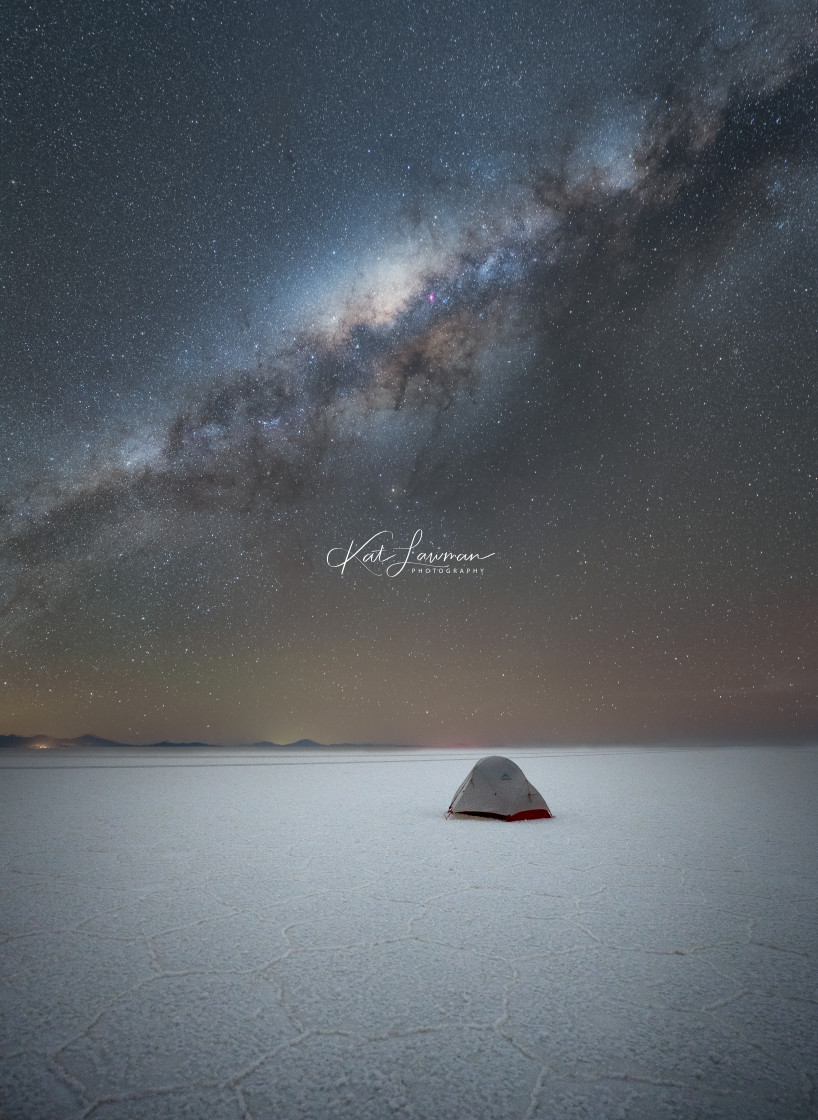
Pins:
x,y
294,936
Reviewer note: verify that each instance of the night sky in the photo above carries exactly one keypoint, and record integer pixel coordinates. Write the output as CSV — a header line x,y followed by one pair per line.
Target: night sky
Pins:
x,y
538,280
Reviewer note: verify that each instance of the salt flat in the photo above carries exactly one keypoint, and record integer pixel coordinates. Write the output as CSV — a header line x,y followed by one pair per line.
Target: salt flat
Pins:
x,y
302,934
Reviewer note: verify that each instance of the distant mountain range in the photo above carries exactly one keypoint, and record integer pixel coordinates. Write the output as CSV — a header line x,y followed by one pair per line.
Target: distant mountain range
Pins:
x,y
49,742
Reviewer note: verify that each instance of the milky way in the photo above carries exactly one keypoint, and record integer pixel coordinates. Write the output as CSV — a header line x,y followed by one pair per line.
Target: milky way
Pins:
x,y
594,358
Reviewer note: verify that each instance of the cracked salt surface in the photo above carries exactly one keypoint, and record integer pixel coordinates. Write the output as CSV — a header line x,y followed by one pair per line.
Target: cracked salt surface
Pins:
x,y
253,936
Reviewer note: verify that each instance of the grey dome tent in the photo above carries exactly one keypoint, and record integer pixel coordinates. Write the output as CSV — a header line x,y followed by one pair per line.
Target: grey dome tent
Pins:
x,y
497,787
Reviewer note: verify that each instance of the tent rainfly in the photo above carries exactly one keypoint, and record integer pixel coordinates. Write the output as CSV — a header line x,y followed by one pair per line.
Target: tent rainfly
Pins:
x,y
497,787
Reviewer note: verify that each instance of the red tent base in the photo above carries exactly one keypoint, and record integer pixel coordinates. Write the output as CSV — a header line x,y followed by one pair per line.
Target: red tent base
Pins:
x,y
528,815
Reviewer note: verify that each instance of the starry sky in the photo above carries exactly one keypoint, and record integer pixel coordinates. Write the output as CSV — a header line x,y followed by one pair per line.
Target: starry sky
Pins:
x,y
536,280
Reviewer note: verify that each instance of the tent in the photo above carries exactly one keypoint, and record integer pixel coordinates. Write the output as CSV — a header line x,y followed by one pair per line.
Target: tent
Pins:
x,y
497,787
